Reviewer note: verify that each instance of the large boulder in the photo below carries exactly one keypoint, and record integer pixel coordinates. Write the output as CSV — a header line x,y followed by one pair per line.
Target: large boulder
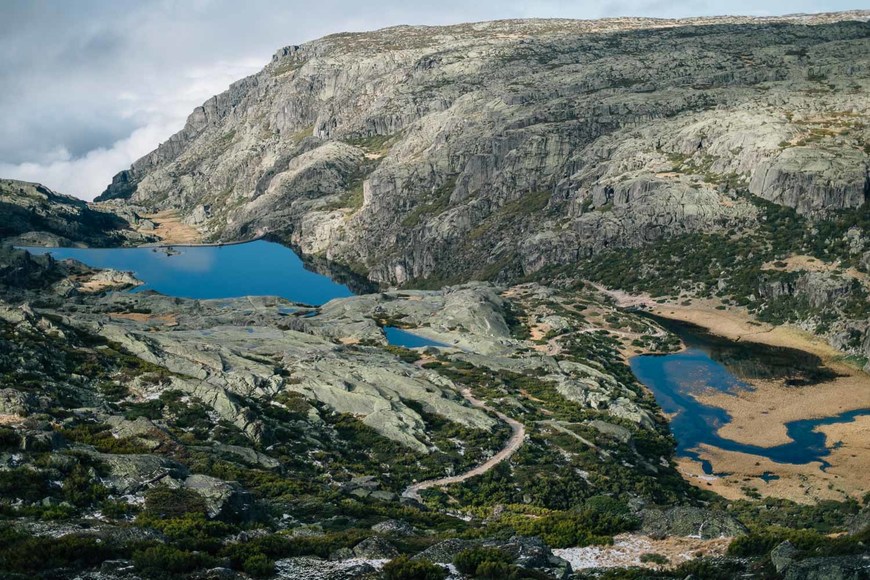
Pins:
x,y
131,473
783,555
375,548
394,528
315,568
690,522
223,499
528,552
835,568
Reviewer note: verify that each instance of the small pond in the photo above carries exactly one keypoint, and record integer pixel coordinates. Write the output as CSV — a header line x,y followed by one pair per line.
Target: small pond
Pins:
x,y
399,337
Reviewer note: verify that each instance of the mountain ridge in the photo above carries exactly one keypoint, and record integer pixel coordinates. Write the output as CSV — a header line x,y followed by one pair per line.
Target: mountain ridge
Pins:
x,y
507,150
349,165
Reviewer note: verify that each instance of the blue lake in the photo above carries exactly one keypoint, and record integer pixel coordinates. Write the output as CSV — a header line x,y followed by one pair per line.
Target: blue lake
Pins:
x,y
399,337
253,269
713,363
269,269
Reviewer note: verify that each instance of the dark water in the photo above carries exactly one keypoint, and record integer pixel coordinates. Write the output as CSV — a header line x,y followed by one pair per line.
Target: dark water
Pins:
x,y
712,362
254,269
399,337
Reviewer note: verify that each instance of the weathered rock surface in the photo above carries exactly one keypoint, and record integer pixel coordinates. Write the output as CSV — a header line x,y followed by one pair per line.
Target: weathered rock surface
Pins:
x,y
494,149
834,568
690,521
783,555
317,569
35,215
375,548
530,553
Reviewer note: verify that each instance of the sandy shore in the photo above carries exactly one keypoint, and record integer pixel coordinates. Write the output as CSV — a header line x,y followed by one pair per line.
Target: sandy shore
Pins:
x,y
171,230
759,415
846,477
737,324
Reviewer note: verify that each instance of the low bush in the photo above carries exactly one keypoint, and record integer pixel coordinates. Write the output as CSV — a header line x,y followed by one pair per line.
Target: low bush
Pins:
x,y
403,568
167,503
259,566
168,562
483,562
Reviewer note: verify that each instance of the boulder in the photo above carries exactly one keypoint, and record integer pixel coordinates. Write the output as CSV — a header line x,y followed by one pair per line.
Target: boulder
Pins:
x,y
855,567
375,548
131,473
394,528
690,522
317,569
783,555
223,499
529,552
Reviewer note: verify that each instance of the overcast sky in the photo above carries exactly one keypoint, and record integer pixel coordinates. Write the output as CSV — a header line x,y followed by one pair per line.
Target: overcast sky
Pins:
x,y
87,87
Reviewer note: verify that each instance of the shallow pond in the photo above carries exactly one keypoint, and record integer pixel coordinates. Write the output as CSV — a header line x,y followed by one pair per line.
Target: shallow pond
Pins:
x,y
712,362
257,268
399,337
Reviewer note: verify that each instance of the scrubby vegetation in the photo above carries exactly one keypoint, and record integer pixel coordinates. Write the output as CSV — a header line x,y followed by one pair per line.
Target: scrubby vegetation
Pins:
x,y
403,568
731,265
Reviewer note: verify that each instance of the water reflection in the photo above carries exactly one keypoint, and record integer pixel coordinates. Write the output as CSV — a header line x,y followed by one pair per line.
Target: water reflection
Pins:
x,y
712,362
258,268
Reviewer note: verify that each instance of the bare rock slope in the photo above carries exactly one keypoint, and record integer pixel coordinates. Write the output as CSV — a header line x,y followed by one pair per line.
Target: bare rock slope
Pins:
x,y
498,148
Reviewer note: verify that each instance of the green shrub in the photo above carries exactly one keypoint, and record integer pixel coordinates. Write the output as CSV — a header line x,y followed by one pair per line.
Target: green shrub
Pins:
x,y
403,568
482,562
100,436
259,566
193,531
80,488
167,503
9,439
23,483
810,542
654,559
20,553
167,561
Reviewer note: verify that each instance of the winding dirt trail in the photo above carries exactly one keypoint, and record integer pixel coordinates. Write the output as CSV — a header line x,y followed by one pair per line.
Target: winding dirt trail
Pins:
x,y
514,443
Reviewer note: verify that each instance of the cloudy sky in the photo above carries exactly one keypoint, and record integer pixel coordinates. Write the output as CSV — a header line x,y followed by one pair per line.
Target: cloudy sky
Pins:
x,y
88,86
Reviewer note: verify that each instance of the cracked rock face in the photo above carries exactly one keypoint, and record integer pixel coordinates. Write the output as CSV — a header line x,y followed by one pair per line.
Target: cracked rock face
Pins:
x,y
492,150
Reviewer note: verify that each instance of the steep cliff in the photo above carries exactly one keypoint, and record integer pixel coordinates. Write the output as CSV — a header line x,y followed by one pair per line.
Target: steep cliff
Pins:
x,y
494,149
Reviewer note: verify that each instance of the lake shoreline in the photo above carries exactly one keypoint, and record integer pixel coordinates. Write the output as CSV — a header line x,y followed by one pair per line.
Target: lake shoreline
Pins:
x,y
759,416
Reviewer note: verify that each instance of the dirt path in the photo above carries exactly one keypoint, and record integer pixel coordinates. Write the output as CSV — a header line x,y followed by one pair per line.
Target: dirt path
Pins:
x,y
516,439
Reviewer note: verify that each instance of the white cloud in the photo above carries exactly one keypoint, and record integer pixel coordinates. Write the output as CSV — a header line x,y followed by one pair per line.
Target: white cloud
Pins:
x,y
163,112
107,81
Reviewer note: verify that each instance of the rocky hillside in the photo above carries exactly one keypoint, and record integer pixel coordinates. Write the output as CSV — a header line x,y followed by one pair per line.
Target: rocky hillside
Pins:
x,y
149,437
31,213
495,149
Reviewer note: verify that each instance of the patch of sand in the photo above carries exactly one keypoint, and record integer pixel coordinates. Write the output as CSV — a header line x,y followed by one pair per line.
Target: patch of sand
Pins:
x,y
8,419
808,483
737,324
758,416
171,230
628,548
